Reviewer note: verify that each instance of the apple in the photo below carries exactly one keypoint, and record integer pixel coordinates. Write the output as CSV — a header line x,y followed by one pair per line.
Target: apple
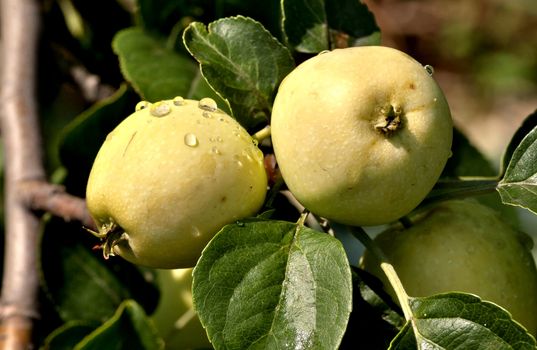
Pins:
x,y
175,318
169,177
361,134
463,246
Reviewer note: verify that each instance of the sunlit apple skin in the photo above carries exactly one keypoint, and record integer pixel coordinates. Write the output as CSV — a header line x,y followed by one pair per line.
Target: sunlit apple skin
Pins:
x,y
361,134
169,177
463,246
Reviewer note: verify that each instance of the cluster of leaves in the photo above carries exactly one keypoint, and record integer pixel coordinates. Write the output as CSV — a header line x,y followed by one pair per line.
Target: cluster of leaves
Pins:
x,y
269,282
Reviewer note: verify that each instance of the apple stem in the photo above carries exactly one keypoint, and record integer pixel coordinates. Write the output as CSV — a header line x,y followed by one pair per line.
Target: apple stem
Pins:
x,y
262,134
387,267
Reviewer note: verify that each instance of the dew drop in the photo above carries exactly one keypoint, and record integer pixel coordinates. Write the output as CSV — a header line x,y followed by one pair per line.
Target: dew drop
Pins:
x,y
141,105
196,232
219,139
208,104
435,99
246,154
429,69
207,115
237,160
178,101
215,150
160,109
191,140
255,142
221,119
323,52
212,139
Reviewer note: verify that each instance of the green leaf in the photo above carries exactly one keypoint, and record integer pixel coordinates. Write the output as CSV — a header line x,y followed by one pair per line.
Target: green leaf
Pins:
x,y
461,321
80,283
312,26
161,15
305,25
129,328
81,139
519,184
243,62
155,71
273,284
68,335
528,125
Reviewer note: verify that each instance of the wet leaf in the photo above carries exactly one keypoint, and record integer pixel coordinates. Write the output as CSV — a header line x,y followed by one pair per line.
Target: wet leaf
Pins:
x,y
273,284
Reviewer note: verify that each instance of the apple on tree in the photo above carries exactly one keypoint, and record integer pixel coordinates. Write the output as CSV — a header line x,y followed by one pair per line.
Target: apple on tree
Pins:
x,y
361,134
464,246
169,177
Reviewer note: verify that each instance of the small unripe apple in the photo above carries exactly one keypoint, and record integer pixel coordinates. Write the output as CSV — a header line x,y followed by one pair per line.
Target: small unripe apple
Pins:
x,y
466,247
169,177
175,318
361,134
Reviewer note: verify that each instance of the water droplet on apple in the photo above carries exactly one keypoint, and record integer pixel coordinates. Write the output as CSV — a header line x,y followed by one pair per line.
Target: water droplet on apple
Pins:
x,y
246,154
208,104
219,139
196,232
215,150
178,101
323,52
141,105
429,69
207,115
191,140
160,109
237,160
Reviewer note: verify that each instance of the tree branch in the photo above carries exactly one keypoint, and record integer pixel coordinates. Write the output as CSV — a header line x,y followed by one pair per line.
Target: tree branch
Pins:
x,y
23,161
41,195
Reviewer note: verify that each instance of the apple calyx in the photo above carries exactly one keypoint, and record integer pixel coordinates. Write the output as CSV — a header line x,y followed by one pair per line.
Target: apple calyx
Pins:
x,y
110,234
390,120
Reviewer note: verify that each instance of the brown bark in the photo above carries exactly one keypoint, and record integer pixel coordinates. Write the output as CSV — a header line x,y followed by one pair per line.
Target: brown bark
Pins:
x,y
22,149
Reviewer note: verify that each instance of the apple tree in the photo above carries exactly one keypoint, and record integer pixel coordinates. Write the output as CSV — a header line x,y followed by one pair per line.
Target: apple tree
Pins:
x,y
208,174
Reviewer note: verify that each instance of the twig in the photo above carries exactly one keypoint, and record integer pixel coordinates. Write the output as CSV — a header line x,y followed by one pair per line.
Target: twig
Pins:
x,y
90,84
43,196
23,161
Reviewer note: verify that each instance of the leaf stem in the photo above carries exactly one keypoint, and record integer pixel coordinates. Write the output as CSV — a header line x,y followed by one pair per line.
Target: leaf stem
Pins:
x,y
460,188
387,267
